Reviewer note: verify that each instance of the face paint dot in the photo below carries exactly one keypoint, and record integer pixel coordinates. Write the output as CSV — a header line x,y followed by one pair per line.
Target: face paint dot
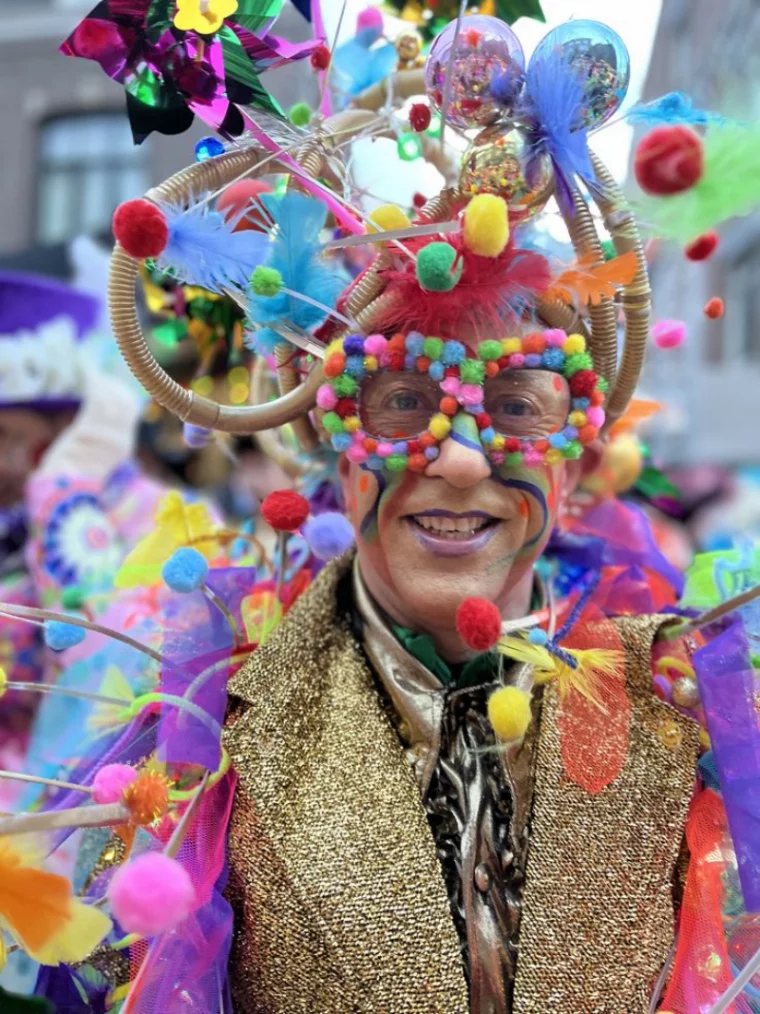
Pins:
x,y
558,382
364,484
523,508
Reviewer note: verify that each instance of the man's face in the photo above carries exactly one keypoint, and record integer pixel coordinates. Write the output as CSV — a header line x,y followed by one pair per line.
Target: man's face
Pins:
x,y
24,437
462,527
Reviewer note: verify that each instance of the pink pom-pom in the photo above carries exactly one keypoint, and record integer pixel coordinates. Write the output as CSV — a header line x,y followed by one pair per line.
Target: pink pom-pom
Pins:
x,y
533,458
370,18
555,337
470,394
384,449
497,458
327,398
357,454
479,623
151,894
109,783
516,360
595,416
669,334
451,386
375,345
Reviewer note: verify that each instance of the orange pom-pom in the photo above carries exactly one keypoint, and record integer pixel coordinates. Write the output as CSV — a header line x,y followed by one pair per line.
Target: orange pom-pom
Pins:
x,y
534,343
335,365
449,405
147,797
715,308
417,462
588,434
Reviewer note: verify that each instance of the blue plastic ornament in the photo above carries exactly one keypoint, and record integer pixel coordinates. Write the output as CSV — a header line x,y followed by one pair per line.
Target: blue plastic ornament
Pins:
x,y
486,73
59,635
208,147
601,59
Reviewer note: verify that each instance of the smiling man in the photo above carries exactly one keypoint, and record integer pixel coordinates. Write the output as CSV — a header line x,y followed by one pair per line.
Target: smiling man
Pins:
x,y
392,847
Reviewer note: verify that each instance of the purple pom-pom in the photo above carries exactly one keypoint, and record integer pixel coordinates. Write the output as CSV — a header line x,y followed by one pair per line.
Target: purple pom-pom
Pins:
x,y
328,535
354,345
196,436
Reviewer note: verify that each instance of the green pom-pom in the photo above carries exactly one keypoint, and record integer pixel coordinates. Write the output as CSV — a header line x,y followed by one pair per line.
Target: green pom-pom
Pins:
x,y
333,423
72,597
608,249
513,459
472,371
432,348
300,114
603,385
573,450
490,350
576,362
439,267
396,462
266,281
344,386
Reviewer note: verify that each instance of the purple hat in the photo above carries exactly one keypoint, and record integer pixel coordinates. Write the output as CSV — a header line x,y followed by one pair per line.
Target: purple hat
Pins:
x,y
27,301
42,322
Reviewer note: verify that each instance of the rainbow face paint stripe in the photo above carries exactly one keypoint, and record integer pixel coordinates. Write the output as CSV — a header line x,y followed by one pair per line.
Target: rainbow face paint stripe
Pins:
x,y
351,361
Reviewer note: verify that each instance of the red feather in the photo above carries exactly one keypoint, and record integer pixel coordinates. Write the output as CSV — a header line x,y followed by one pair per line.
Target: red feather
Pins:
x,y
486,303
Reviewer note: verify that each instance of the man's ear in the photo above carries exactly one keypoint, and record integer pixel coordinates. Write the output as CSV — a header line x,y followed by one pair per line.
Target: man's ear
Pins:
x,y
579,469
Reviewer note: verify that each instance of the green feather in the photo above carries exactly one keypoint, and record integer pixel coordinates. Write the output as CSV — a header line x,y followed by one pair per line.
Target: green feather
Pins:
x,y
729,187
511,10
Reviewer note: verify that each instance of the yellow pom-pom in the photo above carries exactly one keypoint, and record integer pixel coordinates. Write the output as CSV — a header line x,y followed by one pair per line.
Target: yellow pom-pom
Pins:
x,y
3,680
333,348
498,443
553,456
440,426
370,364
577,419
352,423
509,713
511,345
486,225
574,343
386,218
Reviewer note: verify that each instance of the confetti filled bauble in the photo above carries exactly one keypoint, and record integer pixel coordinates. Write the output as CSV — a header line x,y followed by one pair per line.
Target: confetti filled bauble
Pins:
x,y
602,61
500,162
486,72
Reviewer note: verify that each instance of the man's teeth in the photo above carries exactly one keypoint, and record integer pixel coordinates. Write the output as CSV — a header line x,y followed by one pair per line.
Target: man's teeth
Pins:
x,y
454,527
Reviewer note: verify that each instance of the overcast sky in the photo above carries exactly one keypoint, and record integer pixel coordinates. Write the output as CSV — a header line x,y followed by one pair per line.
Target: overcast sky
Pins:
x,y
634,20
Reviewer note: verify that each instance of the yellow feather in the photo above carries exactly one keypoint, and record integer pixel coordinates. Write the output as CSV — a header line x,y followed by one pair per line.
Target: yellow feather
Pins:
x,y
593,663
85,929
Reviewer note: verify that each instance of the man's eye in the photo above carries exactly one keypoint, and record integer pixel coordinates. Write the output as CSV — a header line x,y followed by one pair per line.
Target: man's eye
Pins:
x,y
403,401
516,407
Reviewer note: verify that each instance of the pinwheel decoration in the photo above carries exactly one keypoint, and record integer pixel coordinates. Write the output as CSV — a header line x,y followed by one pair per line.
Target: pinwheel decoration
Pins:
x,y
178,60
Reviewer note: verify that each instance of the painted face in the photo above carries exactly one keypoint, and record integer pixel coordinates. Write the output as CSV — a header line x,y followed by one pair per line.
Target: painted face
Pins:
x,y
470,521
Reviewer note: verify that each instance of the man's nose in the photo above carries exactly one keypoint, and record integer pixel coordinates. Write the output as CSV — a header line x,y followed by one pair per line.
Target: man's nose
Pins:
x,y
461,461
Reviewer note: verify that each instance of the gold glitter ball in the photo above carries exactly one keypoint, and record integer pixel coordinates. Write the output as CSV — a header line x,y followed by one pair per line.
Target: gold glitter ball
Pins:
x,y
685,692
670,734
408,46
499,162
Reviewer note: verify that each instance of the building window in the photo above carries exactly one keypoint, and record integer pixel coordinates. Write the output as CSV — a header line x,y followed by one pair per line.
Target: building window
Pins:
x,y
88,164
742,320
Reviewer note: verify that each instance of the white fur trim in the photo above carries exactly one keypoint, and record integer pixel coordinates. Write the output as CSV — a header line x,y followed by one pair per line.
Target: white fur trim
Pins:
x,y
46,363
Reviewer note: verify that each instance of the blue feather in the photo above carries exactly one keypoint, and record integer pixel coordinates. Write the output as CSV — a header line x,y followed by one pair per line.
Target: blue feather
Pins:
x,y
356,67
203,250
675,107
297,254
553,105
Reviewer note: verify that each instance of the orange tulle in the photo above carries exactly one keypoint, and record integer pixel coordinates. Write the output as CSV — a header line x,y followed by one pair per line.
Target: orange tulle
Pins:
x,y
587,282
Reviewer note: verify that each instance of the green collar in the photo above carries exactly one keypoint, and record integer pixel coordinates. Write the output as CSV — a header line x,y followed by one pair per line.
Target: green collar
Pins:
x,y
481,669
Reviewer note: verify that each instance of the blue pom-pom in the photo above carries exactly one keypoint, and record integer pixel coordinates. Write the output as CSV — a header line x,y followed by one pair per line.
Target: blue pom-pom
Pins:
x,y
558,440
488,435
354,345
538,636
401,447
453,353
435,371
375,463
342,441
355,366
196,436
553,359
59,635
414,343
329,535
185,570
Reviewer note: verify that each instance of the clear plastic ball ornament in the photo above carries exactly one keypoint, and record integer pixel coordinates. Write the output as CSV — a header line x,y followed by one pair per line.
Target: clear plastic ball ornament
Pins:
x,y
486,75
602,61
500,161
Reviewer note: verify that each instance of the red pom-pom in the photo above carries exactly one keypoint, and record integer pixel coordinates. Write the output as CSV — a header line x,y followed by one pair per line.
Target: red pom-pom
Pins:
x,y
242,202
702,247
285,510
419,117
320,58
479,624
419,201
140,228
583,383
715,308
669,160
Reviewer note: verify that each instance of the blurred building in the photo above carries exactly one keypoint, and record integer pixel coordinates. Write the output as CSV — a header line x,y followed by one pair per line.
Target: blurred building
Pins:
x,y
712,383
67,153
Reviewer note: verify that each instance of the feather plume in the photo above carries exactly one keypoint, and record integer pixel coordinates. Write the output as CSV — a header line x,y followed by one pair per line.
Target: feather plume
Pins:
x,y
729,187
489,298
675,107
203,250
553,104
297,254
587,281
